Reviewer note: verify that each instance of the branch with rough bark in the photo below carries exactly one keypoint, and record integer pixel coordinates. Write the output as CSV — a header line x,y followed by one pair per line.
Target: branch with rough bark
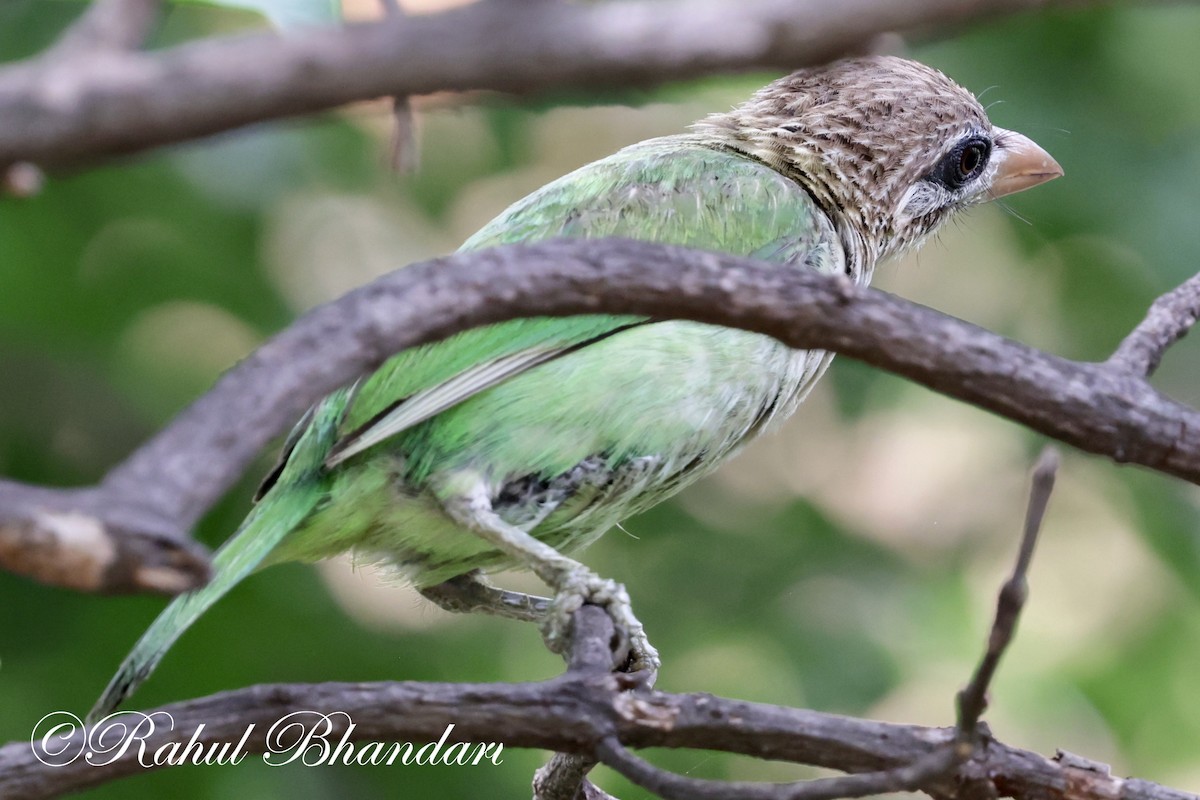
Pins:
x,y
589,712
573,713
154,497
126,100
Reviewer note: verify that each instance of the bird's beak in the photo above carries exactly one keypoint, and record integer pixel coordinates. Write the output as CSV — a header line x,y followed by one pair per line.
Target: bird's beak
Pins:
x,y
1023,164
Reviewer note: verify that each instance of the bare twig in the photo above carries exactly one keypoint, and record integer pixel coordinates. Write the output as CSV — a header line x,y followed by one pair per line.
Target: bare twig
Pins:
x,y
972,700
469,595
133,101
679,787
164,487
403,153
1169,319
924,772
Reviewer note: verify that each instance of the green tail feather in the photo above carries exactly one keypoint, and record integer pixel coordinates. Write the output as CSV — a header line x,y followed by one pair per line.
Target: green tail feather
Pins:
x,y
277,514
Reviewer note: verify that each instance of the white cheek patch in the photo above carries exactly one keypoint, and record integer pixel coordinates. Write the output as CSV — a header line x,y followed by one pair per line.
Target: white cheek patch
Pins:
x,y
920,199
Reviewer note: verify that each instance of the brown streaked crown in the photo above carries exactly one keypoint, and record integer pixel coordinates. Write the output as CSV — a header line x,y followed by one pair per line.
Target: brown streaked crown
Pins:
x,y
888,147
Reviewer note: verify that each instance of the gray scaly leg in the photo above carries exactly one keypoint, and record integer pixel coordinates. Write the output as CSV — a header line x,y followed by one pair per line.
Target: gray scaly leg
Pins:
x,y
573,583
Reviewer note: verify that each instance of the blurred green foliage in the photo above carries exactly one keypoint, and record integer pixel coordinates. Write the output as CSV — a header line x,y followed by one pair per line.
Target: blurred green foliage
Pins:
x,y
847,564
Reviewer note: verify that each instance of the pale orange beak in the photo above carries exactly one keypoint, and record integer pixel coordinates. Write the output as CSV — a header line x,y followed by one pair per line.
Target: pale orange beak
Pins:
x,y
1023,164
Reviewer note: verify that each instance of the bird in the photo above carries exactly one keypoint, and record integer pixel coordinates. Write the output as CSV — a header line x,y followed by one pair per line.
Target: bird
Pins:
x,y
518,443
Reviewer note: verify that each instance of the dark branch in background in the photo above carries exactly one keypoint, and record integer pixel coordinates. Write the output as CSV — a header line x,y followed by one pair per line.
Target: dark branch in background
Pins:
x,y
131,101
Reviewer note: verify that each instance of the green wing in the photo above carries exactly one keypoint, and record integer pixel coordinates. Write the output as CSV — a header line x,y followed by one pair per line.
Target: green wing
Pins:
x,y
674,190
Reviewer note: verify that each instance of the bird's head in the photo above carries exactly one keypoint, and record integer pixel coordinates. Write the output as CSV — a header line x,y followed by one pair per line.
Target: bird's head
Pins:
x,y
888,147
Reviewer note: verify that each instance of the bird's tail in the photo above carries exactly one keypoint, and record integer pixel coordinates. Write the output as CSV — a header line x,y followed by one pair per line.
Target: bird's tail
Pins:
x,y
275,515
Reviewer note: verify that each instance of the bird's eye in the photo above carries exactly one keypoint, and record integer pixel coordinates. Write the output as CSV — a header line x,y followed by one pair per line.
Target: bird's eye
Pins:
x,y
963,163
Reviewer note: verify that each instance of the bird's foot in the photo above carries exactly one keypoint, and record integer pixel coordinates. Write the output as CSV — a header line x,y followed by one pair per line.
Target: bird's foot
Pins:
x,y
573,584
581,586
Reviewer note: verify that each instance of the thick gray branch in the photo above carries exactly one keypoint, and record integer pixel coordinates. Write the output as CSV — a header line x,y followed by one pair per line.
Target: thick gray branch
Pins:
x,y
165,486
1084,405
574,714
127,101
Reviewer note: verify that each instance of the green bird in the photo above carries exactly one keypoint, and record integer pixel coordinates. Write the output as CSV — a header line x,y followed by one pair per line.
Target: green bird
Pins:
x,y
516,443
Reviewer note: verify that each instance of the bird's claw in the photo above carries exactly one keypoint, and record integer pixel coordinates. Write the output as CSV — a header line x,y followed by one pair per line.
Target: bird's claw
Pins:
x,y
584,587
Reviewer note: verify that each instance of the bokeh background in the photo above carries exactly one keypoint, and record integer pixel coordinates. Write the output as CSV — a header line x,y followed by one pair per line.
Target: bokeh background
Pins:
x,y
848,564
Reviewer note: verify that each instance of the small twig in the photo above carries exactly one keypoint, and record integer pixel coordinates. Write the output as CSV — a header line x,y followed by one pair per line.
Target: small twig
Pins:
x,y
470,593
404,154
910,777
919,774
972,700
107,25
1169,319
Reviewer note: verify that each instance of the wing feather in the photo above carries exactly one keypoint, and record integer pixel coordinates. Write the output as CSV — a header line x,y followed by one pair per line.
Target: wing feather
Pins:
x,y
428,403
674,189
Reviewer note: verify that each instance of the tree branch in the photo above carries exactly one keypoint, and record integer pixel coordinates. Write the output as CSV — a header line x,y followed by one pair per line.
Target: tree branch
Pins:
x,y
923,773
972,700
163,488
589,710
131,101
94,540
574,713
1169,319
